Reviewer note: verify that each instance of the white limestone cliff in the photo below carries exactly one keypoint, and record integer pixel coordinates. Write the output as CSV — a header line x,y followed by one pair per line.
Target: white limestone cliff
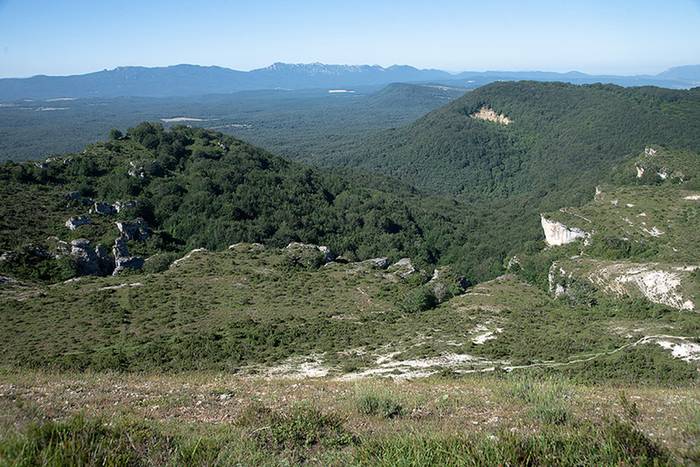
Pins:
x,y
556,233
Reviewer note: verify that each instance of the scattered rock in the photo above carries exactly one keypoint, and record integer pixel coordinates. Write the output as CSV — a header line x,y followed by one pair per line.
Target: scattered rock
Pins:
x,y
75,222
124,263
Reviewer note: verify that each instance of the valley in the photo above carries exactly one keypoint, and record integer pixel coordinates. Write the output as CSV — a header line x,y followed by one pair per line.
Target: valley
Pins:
x,y
513,272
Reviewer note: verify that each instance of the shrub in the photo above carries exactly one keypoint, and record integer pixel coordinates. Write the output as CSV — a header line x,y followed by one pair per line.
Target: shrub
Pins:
x,y
417,300
381,405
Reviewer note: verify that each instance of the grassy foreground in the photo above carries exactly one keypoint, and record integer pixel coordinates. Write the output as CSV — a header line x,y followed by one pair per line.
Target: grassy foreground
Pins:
x,y
219,419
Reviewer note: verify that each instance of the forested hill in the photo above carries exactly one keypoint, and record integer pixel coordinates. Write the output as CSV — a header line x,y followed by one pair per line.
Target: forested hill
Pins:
x,y
552,140
198,188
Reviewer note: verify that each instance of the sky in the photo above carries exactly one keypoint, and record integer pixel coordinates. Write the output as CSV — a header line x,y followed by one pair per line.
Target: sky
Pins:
x,y
58,37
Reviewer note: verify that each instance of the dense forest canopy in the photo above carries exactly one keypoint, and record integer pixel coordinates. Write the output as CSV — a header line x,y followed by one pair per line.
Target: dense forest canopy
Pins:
x,y
561,140
199,188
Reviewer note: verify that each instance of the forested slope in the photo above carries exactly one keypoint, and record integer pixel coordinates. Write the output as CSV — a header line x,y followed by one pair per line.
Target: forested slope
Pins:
x,y
561,139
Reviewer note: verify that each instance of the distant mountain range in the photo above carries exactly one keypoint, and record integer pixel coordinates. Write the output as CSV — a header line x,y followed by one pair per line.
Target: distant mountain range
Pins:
x,y
189,80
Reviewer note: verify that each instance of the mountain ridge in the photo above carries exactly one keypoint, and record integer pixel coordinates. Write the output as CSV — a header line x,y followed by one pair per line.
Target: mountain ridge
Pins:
x,y
188,79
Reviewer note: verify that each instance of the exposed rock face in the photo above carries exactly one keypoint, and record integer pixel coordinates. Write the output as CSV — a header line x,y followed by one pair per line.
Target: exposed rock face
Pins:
x,y
651,152
662,284
490,115
134,230
75,222
556,233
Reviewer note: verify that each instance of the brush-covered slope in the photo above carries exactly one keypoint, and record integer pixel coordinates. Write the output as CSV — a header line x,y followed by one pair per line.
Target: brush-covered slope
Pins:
x,y
553,141
638,238
256,309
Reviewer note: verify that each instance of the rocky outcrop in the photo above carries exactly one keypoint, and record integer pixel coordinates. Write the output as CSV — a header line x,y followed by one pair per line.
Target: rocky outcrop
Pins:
x,y
75,222
556,233
103,208
91,261
379,263
122,259
133,230
324,250
658,283
445,284
488,114
402,268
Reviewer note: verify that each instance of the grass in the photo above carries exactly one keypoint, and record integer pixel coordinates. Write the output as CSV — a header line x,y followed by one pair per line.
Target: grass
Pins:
x,y
548,399
109,419
379,404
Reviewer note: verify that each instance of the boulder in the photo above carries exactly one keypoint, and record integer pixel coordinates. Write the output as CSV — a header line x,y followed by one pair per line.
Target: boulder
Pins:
x,y
75,222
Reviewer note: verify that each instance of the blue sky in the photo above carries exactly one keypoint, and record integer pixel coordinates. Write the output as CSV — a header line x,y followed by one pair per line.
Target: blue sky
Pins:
x,y
612,36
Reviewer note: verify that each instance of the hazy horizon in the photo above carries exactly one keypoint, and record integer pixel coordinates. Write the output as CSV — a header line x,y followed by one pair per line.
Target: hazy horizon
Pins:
x,y
614,37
